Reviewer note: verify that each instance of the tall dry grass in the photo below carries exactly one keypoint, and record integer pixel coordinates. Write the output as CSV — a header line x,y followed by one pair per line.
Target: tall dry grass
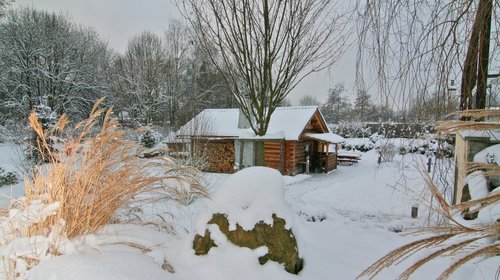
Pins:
x,y
96,171
464,242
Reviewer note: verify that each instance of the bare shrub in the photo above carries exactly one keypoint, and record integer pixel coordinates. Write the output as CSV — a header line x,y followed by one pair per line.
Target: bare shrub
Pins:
x,y
388,151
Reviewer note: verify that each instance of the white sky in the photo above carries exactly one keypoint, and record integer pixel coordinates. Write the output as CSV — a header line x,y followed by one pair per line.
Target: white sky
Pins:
x,y
119,20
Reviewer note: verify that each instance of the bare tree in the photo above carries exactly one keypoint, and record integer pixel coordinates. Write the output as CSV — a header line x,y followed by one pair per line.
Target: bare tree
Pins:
x,y
418,47
140,83
263,49
4,3
362,105
45,55
337,107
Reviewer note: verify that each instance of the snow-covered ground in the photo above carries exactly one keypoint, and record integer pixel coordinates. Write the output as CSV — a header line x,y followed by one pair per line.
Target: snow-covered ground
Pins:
x,y
344,221
10,162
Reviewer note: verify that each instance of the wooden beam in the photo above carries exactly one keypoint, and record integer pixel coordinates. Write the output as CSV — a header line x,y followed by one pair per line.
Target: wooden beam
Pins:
x,y
242,149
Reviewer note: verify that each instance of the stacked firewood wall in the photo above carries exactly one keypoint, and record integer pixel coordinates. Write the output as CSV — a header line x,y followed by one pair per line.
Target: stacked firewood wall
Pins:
x,y
219,155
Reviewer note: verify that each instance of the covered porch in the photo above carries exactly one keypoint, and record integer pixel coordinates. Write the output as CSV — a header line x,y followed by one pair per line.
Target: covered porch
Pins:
x,y
321,156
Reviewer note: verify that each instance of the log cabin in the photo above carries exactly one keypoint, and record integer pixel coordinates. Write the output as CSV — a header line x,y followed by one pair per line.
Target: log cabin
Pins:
x,y
297,141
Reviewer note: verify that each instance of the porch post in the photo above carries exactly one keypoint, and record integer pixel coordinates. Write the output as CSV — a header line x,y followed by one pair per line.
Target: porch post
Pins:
x,y
336,154
326,163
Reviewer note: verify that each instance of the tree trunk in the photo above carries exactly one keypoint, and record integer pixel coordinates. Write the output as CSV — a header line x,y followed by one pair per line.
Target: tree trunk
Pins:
x,y
484,51
476,62
259,153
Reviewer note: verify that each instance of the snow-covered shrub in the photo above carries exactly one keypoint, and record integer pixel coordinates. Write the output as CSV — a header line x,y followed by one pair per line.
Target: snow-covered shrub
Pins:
x,y
351,130
8,178
388,150
429,145
362,145
149,138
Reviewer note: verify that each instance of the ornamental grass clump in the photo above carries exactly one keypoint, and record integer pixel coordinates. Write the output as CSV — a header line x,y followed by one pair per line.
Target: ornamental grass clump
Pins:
x,y
94,171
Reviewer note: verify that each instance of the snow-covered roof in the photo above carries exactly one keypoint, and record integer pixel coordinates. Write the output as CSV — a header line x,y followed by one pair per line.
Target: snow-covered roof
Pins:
x,y
327,137
286,121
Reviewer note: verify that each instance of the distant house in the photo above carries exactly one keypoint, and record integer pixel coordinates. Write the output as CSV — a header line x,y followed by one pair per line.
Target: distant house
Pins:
x,y
468,145
297,140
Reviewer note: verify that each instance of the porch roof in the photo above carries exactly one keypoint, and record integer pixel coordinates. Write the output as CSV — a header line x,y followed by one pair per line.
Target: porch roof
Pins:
x,y
326,137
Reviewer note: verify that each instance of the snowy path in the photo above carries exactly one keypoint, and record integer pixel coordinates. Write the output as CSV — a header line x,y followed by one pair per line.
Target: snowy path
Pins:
x,y
361,194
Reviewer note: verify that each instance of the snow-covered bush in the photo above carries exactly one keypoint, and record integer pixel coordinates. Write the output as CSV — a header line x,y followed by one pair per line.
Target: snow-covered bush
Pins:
x,y
429,145
385,129
388,150
149,138
8,178
351,130
359,144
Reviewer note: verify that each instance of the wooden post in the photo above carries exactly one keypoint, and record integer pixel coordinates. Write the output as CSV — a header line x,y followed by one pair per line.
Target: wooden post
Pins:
x,y
282,155
327,152
242,150
336,154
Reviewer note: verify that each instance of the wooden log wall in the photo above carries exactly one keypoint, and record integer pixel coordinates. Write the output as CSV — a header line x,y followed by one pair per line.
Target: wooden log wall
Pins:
x,y
294,155
272,154
332,162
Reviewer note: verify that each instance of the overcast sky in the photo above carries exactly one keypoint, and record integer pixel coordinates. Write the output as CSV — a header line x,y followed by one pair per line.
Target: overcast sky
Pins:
x,y
119,20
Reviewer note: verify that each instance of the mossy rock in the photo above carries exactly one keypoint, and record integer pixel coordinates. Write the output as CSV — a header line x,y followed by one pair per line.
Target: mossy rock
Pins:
x,y
281,243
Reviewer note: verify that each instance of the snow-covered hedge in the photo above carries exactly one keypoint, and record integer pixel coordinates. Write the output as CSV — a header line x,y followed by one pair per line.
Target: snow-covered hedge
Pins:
x,y
439,148
386,129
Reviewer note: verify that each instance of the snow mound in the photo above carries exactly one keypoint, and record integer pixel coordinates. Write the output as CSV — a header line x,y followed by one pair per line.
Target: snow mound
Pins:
x,y
490,213
488,155
109,265
478,185
247,197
